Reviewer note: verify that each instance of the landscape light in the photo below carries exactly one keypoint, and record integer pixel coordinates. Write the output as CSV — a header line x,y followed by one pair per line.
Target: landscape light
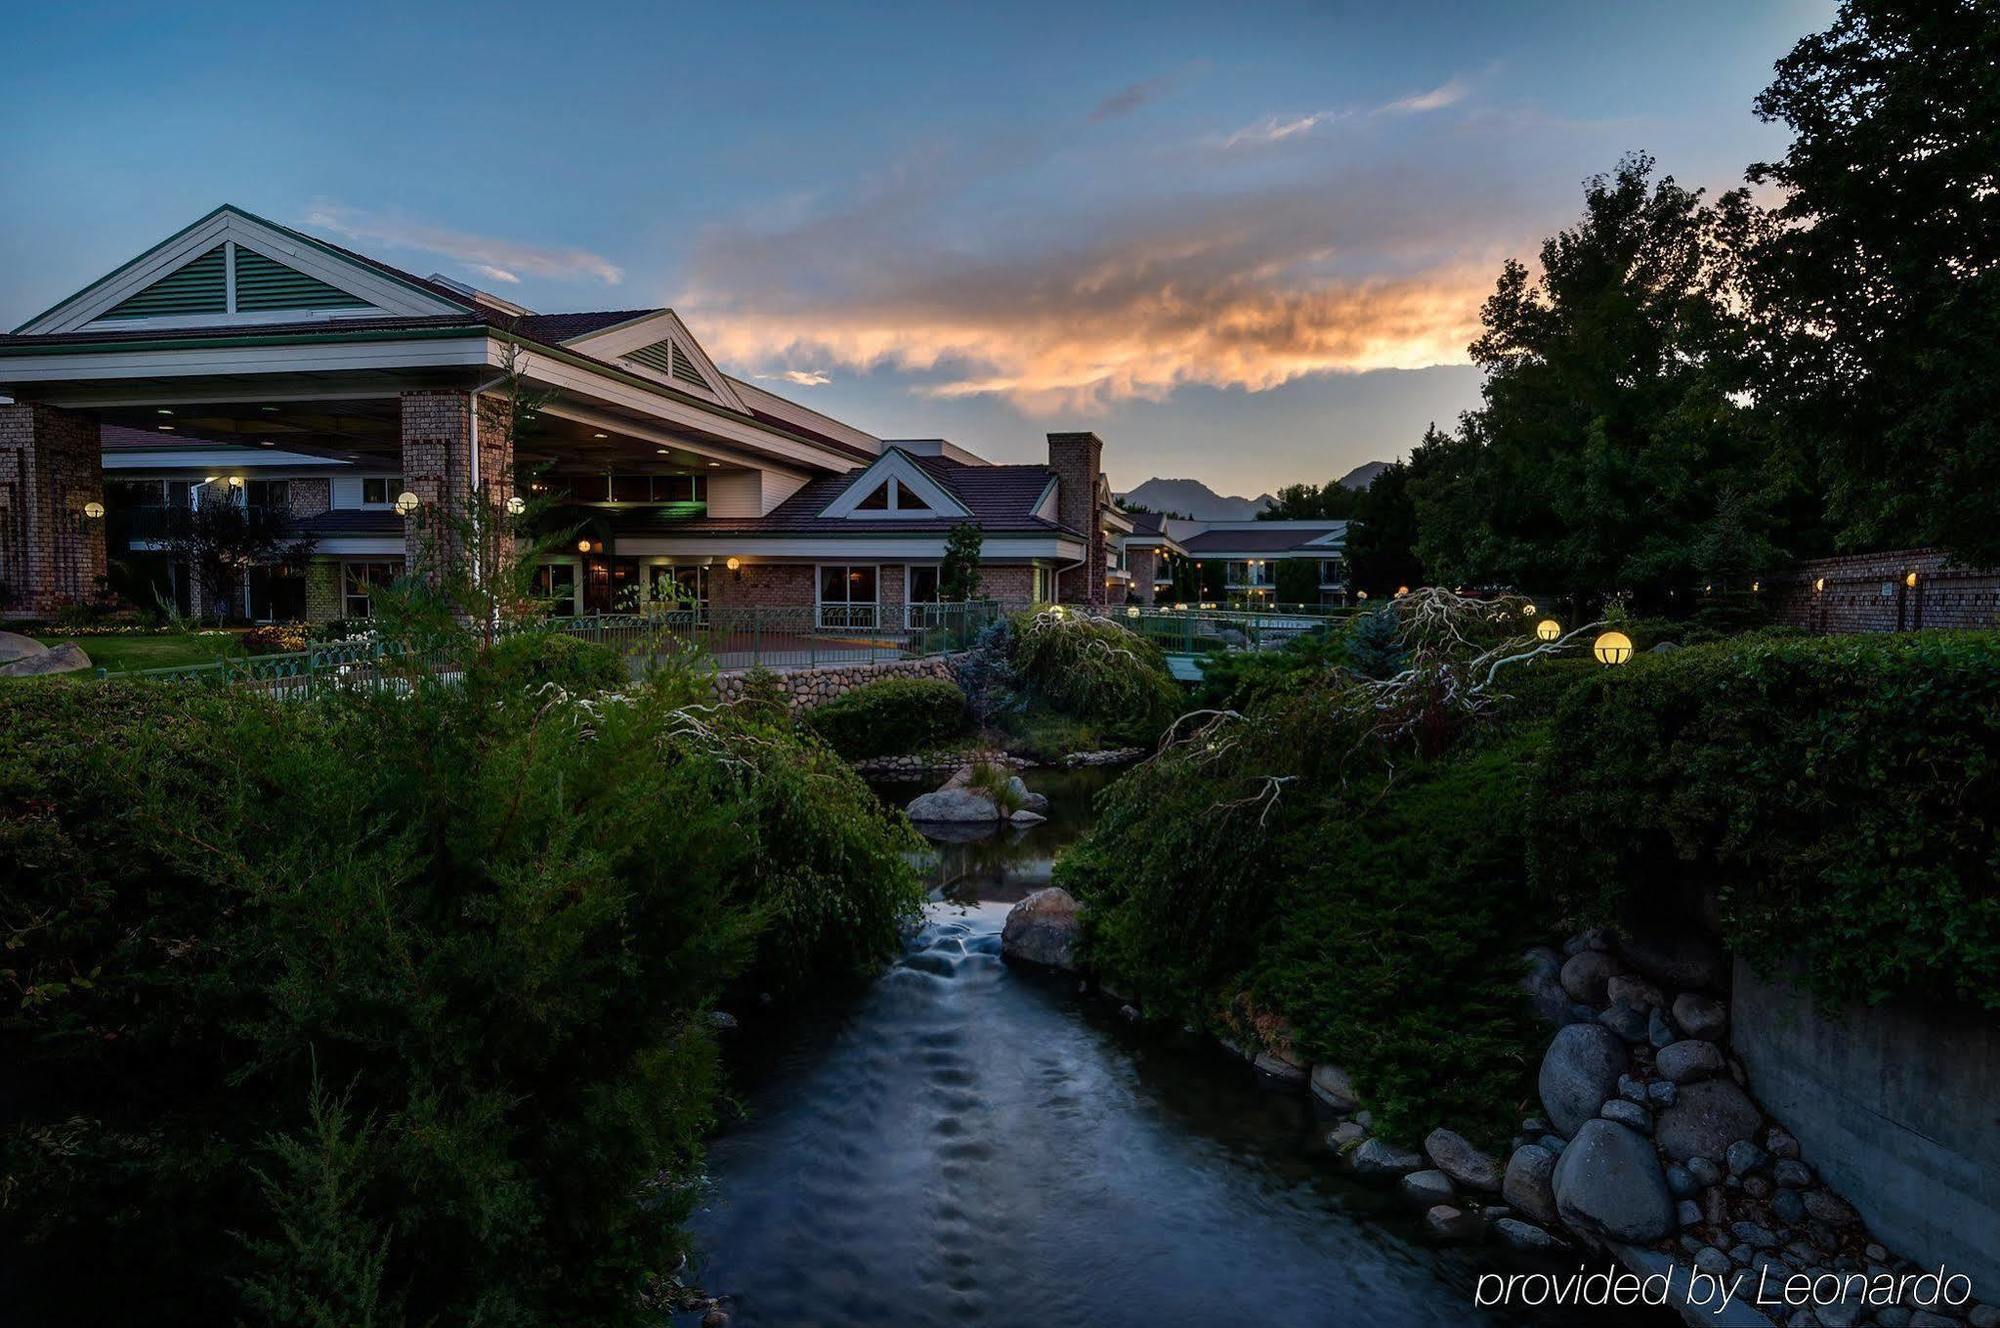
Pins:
x,y
1402,591
1612,648
407,503
94,510
1527,610
516,505
1360,594
1548,629
1132,611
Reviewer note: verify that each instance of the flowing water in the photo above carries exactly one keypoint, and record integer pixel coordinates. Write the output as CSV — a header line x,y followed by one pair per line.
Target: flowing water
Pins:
x,y
969,1143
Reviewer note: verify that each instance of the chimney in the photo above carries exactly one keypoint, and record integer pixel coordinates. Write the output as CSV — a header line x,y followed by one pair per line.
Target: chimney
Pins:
x,y
1078,459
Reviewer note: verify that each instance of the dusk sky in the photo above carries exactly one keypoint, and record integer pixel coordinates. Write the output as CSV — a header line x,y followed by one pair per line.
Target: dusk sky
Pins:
x,y
1246,244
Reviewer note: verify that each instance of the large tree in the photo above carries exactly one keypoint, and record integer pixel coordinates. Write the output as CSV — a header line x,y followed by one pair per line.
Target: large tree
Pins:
x,y
1616,426
1880,286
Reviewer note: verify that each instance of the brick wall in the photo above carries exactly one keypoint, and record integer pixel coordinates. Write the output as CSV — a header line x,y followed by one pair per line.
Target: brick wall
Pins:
x,y
1144,564
1013,583
50,466
437,467
323,597
1872,593
1077,459
763,585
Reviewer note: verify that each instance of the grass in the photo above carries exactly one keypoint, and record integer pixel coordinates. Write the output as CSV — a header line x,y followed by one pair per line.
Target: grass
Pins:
x,y
167,650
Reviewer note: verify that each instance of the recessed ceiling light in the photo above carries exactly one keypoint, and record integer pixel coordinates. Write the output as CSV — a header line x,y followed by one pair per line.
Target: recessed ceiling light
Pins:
x,y
273,409
265,442
163,411
600,435
168,427
715,465
664,452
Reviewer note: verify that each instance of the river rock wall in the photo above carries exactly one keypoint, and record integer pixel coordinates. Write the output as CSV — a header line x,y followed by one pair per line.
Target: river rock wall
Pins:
x,y
805,688
1898,1105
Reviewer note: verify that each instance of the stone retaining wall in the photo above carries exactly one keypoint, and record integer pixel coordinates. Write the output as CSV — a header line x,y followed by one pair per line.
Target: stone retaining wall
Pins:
x,y
805,688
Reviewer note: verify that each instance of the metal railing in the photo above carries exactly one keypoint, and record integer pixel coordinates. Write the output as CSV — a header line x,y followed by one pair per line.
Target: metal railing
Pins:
x,y
776,637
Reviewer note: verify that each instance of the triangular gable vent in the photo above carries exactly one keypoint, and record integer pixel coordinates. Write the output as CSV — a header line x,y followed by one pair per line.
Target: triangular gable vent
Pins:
x,y
668,358
263,283
200,286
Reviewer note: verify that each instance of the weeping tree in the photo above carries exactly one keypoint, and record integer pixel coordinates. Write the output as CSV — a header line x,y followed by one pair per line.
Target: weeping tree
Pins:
x,y
220,542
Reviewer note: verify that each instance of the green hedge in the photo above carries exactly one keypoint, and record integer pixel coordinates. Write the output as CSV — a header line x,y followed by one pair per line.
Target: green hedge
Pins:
x,y
892,717
391,1008
1841,798
531,660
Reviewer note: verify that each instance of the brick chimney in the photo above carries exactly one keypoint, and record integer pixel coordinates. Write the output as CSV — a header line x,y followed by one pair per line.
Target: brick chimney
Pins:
x,y
1078,459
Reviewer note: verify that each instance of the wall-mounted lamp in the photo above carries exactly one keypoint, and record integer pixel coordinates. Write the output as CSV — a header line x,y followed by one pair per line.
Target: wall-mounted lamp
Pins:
x,y
1819,584
407,503
1911,580
235,481
516,505
735,566
94,510
583,546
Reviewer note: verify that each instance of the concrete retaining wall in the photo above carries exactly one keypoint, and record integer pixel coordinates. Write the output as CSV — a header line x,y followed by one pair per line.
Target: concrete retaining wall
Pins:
x,y
1898,1107
808,687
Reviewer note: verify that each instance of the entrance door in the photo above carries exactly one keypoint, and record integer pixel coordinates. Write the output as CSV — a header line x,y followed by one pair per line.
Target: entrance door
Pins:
x,y
610,585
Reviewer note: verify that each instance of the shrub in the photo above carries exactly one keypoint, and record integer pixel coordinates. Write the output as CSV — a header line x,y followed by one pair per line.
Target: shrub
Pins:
x,y
892,717
1279,862
275,639
389,1008
1094,670
1835,794
527,661
1237,680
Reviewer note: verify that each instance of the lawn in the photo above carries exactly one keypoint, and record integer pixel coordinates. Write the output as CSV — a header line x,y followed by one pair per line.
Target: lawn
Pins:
x,y
165,650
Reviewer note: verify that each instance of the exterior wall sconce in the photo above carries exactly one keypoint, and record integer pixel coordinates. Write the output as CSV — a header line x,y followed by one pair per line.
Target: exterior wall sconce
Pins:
x,y
407,503
735,566
516,505
1612,648
1911,580
235,481
583,546
1819,584
1548,629
93,510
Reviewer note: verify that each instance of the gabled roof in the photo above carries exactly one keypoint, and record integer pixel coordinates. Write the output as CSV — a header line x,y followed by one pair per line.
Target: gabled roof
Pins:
x,y
999,499
1267,537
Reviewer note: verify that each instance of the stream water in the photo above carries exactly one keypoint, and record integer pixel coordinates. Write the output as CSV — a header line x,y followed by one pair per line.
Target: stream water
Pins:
x,y
968,1142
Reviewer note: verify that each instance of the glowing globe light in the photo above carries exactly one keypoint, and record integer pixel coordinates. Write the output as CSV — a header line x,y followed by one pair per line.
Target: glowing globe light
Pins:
x,y
516,505
734,564
94,510
1612,648
407,503
1548,629
1527,610
1402,591
1132,611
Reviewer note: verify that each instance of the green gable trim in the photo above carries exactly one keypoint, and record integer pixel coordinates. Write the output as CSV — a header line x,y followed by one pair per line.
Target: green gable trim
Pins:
x,y
264,284
197,287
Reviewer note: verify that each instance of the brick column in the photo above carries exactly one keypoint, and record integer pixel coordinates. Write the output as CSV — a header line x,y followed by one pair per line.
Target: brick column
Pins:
x,y
1144,565
51,464
1078,459
438,429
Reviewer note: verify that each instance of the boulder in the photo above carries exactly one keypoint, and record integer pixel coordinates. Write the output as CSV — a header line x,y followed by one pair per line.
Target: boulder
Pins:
x,y
1278,1068
1026,817
1585,974
1377,1158
1027,799
1579,1071
1542,985
950,804
1701,1016
1680,959
1518,1235
1689,1060
1448,1223
1629,1114
1345,1136
14,646
1332,1087
65,658
1705,1119
1608,1183
1042,929
1455,1156
1529,1184
1428,1188
1633,992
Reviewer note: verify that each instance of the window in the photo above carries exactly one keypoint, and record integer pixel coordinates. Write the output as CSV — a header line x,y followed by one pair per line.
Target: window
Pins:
x,y
892,495
685,585
274,494
631,488
680,488
846,595
924,584
359,582
908,502
1329,571
1045,584
877,501
556,582
381,489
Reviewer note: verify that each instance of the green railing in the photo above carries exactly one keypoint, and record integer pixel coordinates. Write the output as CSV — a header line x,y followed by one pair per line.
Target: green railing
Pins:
x,y
776,637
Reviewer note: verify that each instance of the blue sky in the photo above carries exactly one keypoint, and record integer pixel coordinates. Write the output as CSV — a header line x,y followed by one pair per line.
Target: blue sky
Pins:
x,y
1245,243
